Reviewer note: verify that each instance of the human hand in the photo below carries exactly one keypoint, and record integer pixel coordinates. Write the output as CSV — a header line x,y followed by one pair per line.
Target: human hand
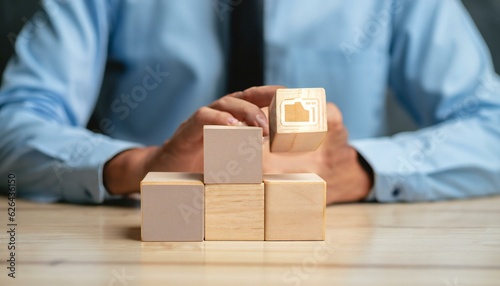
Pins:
x,y
184,151
335,161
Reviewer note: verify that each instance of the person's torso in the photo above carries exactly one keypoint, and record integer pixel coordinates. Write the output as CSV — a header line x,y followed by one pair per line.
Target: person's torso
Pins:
x,y
167,59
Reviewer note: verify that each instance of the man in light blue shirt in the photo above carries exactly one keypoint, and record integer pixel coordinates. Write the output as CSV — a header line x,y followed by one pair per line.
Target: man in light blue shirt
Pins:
x,y
139,69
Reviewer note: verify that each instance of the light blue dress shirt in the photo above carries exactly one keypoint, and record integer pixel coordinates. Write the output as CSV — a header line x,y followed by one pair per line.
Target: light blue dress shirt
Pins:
x,y
143,67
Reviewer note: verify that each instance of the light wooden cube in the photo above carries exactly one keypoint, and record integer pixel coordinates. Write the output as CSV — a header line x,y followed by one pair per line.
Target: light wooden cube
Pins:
x,y
234,212
297,119
172,207
294,207
232,154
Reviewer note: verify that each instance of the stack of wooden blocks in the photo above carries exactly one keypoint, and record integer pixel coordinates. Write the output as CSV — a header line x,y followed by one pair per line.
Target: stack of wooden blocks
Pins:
x,y
233,200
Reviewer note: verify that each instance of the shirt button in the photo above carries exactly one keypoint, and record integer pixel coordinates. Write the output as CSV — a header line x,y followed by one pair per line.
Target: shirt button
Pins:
x,y
396,192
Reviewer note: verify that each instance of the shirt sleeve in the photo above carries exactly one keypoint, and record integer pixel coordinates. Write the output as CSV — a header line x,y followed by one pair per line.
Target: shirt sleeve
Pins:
x,y
48,93
442,75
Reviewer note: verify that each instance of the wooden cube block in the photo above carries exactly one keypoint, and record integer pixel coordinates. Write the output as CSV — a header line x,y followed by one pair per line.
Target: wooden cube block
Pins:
x,y
172,207
297,119
234,212
294,207
232,154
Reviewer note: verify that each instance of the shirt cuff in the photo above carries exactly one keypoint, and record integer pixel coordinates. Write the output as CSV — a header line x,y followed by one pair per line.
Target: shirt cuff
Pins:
x,y
90,173
395,178
80,171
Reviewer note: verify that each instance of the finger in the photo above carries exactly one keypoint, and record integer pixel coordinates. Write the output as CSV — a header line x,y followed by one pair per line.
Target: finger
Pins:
x,y
337,134
192,130
258,95
243,110
333,117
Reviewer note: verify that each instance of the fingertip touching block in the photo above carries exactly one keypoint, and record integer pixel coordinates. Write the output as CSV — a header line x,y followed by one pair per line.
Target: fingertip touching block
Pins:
x,y
232,154
294,207
172,207
297,119
234,212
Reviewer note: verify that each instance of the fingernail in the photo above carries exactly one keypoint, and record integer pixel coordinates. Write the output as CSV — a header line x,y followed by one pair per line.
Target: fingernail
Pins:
x,y
232,121
262,120
238,94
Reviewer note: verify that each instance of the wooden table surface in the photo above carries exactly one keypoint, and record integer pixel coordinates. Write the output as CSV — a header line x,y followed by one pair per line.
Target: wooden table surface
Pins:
x,y
445,243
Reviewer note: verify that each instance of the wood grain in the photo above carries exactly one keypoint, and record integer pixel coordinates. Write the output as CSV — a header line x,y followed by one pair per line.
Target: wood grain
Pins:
x,y
294,207
234,212
366,244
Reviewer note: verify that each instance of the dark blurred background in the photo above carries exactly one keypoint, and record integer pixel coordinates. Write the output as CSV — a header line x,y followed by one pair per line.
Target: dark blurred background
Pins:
x,y
486,15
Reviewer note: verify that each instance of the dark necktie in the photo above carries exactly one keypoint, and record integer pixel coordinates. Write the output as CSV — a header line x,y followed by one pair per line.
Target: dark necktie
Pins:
x,y
246,55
